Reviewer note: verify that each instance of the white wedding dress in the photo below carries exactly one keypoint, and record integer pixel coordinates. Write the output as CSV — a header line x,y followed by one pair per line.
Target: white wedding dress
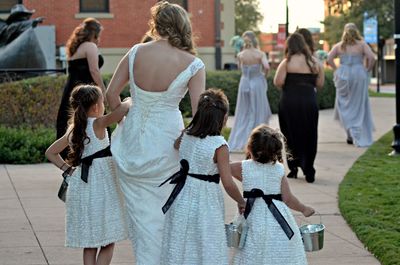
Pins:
x,y
142,147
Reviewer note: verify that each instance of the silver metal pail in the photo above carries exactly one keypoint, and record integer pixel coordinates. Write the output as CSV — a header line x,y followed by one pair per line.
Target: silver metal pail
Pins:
x,y
313,236
235,235
232,235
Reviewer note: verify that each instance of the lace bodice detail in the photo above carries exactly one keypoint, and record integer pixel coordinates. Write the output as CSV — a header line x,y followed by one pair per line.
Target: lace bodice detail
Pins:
x,y
266,177
351,59
200,153
95,144
143,143
252,70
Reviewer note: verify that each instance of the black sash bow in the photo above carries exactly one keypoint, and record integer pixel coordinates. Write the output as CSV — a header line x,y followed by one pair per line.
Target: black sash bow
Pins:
x,y
87,161
179,178
257,193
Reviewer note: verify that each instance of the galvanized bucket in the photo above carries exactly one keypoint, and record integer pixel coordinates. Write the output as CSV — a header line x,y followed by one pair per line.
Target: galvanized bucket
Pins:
x,y
235,236
313,236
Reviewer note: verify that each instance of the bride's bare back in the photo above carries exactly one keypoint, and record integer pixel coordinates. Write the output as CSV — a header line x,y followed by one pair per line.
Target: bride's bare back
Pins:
x,y
157,64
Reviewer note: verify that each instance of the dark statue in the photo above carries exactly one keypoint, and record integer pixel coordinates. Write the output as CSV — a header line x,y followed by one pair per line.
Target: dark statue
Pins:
x,y
19,46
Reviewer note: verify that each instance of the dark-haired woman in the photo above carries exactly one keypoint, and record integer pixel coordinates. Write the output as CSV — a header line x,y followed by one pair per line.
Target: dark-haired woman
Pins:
x,y
84,64
307,38
298,75
159,73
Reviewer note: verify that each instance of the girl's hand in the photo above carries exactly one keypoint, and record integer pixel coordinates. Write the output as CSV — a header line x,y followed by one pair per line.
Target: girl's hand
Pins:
x,y
241,207
128,101
69,171
126,104
308,211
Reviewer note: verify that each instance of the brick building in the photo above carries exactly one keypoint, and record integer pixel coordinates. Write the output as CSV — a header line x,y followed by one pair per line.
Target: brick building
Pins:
x,y
125,22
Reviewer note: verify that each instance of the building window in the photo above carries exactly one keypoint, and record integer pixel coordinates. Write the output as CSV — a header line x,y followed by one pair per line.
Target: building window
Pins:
x,y
94,6
182,3
6,5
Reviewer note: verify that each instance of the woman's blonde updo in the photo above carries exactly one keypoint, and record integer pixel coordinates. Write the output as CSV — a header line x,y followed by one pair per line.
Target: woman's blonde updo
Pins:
x,y
90,28
250,40
172,22
350,35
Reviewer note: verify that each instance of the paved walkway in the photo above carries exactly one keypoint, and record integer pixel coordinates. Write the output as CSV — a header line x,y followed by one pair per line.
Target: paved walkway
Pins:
x,y
385,88
32,217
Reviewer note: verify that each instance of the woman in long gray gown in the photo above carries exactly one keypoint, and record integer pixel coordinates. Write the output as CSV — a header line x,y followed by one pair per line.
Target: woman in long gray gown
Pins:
x,y
252,106
351,79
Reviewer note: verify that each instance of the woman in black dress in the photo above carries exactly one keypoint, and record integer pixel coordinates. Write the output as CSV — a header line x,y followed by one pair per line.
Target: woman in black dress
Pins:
x,y
298,75
84,64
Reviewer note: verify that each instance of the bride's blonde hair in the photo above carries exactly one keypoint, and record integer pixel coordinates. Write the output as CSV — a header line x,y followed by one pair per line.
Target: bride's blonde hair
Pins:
x,y
172,22
350,35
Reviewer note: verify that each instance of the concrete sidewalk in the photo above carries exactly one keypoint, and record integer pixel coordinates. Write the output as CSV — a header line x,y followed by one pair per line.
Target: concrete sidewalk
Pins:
x,y
385,88
32,217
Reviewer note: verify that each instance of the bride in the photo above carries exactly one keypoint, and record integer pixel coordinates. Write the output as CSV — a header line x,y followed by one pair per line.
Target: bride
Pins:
x,y
159,73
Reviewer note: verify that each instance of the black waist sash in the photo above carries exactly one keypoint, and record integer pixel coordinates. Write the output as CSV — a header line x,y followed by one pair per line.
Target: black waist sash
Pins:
x,y
257,193
87,161
179,178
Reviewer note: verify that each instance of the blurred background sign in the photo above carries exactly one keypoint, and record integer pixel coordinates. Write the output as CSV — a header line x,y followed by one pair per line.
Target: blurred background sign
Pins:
x,y
281,38
370,29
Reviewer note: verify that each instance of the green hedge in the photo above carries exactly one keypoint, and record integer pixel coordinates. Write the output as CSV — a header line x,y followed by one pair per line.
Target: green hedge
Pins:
x,y
24,145
31,102
34,102
228,81
28,110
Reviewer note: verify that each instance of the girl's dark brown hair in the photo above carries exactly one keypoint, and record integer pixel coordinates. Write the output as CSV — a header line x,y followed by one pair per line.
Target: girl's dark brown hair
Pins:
x,y
171,21
82,99
211,114
265,145
88,29
296,44
308,38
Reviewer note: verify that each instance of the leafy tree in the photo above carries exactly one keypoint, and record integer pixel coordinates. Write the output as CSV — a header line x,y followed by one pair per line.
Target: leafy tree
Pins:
x,y
247,16
384,10
334,28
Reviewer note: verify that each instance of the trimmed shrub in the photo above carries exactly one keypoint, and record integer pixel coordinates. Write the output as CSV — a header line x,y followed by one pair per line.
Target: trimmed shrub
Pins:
x,y
24,145
228,81
31,102
28,110
34,102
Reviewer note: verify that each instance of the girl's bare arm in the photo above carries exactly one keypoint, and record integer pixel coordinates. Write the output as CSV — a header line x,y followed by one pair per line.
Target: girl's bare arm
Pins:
x,y
115,116
222,155
53,152
236,169
292,202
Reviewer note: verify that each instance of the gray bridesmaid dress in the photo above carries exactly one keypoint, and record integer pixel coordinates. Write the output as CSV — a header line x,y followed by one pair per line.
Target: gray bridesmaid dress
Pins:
x,y
252,106
352,107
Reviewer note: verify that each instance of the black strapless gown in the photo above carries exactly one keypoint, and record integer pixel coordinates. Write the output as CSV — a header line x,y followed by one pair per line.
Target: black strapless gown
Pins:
x,y
78,74
298,120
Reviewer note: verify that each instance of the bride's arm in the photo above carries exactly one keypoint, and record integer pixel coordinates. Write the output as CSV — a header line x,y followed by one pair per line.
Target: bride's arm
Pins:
x,y
117,83
196,86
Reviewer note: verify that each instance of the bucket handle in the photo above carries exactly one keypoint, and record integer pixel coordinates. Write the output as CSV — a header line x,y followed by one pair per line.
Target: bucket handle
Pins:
x,y
316,213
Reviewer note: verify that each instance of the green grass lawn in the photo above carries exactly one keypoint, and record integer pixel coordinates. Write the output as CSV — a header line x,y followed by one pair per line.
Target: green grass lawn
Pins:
x,y
372,93
369,199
